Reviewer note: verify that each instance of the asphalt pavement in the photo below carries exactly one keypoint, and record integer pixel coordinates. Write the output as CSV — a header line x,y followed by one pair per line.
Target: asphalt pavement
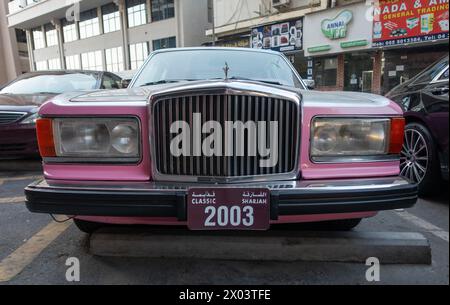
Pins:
x,y
34,250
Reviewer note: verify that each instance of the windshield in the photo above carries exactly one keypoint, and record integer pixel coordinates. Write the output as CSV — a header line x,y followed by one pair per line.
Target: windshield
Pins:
x,y
210,64
52,84
429,74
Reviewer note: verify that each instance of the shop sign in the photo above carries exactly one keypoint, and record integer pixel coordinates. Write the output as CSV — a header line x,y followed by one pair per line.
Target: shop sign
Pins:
x,y
398,22
241,42
281,37
336,28
355,43
323,48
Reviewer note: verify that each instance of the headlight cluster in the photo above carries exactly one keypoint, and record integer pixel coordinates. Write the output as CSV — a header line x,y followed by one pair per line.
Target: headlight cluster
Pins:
x,y
100,138
347,137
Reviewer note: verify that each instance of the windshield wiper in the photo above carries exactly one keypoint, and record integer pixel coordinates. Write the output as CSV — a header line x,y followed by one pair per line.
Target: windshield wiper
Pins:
x,y
46,93
167,81
252,79
273,82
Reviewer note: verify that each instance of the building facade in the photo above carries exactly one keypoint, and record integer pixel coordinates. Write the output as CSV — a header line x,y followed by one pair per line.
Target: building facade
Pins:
x,y
103,34
13,49
412,35
265,24
338,45
350,45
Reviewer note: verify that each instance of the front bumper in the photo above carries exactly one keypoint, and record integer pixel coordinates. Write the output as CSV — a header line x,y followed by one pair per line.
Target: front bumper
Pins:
x,y
158,199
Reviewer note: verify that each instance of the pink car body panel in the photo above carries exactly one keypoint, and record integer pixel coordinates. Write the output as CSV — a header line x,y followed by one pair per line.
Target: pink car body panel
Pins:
x,y
142,171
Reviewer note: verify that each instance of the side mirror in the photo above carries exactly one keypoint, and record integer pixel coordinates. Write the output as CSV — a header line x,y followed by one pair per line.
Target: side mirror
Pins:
x,y
310,83
125,83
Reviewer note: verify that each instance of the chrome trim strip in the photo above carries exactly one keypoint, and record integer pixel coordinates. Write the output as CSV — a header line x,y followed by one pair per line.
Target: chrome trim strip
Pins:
x,y
225,87
437,77
111,161
285,186
355,159
18,119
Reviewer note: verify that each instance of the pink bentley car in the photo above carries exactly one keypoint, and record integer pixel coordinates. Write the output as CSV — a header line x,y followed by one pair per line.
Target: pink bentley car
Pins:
x,y
219,139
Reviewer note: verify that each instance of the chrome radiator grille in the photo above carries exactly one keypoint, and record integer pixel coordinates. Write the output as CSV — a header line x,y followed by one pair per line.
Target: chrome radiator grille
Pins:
x,y
221,108
10,117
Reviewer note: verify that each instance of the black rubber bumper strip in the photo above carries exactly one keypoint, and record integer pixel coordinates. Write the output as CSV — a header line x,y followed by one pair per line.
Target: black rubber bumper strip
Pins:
x,y
79,202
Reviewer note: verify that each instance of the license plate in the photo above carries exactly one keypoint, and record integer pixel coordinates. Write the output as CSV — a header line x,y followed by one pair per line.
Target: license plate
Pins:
x,y
228,209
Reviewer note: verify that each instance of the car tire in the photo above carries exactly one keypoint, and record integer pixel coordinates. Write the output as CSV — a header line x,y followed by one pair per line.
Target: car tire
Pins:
x,y
419,144
87,226
340,225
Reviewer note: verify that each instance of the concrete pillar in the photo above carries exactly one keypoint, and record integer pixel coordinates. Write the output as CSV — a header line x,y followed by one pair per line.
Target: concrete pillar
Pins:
x,y
340,72
124,31
57,24
45,36
149,10
102,31
377,72
30,49
179,18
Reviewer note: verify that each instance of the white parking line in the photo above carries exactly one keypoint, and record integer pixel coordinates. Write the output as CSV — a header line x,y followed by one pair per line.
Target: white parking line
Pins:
x,y
429,227
20,199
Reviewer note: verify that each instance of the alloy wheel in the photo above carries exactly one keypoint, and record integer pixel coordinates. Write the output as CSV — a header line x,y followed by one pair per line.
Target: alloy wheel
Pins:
x,y
414,158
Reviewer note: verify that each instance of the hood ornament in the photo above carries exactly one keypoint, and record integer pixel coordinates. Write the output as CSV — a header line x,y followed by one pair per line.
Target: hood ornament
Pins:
x,y
226,69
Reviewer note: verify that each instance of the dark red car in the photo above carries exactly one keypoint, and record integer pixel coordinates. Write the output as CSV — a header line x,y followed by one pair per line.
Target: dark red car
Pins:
x,y
424,100
20,101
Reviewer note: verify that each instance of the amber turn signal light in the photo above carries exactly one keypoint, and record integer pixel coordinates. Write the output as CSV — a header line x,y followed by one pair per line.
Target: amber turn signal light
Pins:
x,y
397,135
44,129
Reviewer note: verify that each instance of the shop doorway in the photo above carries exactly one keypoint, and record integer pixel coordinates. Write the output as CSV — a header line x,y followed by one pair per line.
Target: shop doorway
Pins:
x,y
358,72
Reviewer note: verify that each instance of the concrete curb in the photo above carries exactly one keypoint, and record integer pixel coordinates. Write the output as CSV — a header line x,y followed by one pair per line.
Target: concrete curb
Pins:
x,y
20,165
389,247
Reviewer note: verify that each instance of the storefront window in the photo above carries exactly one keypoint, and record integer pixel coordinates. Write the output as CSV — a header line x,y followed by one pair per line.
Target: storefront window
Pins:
x,y
164,43
138,54
401,65
73,62
38,38
54,64
114,59
111,18
69,31
41,65
162,9
51,35
358,72
300,63
89,25
137,13
92,61
325,71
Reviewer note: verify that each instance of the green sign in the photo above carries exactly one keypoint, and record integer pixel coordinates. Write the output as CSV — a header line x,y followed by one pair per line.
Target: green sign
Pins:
x,y
355,43
319,49
337,28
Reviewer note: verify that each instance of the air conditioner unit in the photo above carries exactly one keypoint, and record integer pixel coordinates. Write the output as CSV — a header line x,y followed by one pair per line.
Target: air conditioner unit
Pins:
x,y
280,3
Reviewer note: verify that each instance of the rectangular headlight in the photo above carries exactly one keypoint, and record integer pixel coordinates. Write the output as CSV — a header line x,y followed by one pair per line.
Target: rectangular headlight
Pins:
x,y
99,139
349,137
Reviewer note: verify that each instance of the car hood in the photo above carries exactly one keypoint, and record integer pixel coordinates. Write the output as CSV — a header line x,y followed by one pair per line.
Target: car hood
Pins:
x,y
23,102
309,98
